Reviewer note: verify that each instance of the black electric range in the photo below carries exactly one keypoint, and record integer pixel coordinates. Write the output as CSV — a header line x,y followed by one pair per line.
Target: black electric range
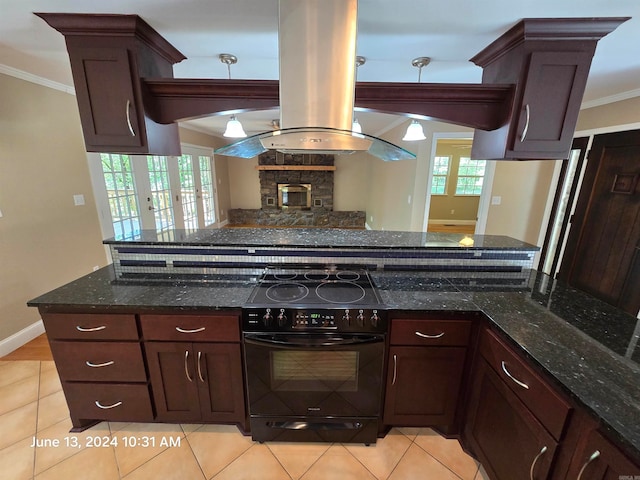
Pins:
x,y
314,299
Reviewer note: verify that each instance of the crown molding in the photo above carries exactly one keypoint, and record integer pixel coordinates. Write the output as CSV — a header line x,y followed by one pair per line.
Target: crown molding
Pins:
x,y
618,97
29,77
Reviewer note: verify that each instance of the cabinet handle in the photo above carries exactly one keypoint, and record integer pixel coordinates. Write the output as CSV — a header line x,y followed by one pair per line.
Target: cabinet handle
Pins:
x,y
593,456
98,365
535,460
395,369
526,122
128,109
200,368
424,335
186,366
195,330
93,329
518,382
107,407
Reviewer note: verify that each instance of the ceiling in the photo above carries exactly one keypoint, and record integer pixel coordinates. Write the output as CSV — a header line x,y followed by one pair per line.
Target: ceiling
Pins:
x,y
390,35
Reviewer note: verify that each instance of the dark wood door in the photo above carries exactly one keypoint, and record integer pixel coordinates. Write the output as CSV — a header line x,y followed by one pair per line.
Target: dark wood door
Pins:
x,y
602,256
599,459
507,438
423,385
219,373
173,374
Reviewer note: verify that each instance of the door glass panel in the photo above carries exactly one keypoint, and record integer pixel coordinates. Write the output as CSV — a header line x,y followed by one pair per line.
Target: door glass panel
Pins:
x,y
206,179
188,192
314,371
161,192
121,195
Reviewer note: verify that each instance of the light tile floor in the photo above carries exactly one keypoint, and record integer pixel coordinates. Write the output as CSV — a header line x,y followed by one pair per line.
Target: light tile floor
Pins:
x,y
33,409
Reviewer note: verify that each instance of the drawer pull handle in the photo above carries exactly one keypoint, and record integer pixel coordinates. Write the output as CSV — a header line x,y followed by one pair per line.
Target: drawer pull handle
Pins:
x,y
526,122
395,369
93,329
518,382
535,460
186,365
426,335
200,367
195,330
128,110
593,456
107,407
98,365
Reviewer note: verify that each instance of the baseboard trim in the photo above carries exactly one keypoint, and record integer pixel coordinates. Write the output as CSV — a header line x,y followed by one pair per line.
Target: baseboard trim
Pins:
x,y
438,221
20,338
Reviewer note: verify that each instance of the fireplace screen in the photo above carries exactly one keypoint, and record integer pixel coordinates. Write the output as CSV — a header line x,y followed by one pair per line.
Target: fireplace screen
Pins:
x,y
294,195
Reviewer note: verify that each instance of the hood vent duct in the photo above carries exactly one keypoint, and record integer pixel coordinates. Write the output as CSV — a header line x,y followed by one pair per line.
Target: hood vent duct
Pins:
x,y
317,54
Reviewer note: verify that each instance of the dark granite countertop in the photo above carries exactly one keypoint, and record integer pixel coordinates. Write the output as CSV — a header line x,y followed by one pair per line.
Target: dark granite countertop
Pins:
x,y
587,347
323,238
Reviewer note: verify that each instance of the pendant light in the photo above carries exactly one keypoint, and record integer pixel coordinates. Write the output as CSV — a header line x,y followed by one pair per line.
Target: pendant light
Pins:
x,y
357,128
234,127
414,130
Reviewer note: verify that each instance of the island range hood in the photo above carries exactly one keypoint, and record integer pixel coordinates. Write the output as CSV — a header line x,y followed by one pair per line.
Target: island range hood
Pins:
x,y
317,55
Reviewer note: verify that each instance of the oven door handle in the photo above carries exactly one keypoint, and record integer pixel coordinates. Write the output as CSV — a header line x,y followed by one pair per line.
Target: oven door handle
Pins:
x,y
310,341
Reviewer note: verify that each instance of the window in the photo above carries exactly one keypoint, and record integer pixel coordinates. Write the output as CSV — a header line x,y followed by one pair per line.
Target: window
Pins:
x,y
121,194
208,194
440,174
188,192
160,192
470,176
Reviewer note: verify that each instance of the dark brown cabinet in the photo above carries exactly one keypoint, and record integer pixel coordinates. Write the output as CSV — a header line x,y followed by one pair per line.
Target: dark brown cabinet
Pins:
x,y
101,367
109,55
425,369
599,459
548,61
200,380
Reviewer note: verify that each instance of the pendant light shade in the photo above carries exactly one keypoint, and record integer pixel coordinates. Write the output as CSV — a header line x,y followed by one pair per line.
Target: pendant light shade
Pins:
x,y
414,132
234,128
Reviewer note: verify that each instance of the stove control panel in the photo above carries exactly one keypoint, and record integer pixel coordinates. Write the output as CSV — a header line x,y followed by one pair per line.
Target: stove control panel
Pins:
x,y
314,319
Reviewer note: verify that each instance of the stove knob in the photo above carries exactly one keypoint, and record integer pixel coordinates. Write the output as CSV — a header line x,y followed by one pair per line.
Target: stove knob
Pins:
x,y
360,319
374,319
267,318
282,318
346,317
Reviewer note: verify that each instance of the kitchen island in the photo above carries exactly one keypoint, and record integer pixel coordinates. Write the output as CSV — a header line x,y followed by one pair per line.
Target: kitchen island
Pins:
x,y
584,347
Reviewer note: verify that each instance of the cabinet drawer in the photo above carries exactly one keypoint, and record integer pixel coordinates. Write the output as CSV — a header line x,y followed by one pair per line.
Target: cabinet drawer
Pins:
x,y
430,332
191,328
99,361
544,402
90,326
115,402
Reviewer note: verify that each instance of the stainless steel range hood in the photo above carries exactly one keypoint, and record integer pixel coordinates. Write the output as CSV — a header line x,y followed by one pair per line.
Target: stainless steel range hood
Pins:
x,y
317,53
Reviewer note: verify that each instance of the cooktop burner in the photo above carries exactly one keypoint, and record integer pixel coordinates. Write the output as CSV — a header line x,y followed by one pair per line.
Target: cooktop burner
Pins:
x,y
300,288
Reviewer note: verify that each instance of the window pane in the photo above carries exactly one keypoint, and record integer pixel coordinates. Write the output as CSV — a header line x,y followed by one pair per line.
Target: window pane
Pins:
x,y
440,174
121,195
470,176
160,192
206,180
188,192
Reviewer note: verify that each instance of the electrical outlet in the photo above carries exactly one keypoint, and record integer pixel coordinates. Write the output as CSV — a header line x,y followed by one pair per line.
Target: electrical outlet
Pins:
x,y
78,200
496,200
452,211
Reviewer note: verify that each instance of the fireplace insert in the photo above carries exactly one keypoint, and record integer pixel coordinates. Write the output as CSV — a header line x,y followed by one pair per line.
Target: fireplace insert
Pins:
x,y
294,196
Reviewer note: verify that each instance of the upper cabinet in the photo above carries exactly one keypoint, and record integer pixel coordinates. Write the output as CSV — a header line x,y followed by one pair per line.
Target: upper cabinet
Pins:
x,y
548,61
534,78
109,55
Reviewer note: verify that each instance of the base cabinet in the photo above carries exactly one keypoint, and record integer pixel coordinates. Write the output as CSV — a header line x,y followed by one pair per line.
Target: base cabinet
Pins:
x,y
194,382
507,438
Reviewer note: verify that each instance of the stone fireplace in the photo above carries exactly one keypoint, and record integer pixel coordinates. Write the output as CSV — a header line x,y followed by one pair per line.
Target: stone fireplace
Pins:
x,y
296,190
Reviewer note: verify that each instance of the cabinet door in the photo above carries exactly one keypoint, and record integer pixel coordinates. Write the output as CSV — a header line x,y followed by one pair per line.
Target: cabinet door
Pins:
x,y
173,381
506,437
423,385
220,385
550,103
601,460
106,98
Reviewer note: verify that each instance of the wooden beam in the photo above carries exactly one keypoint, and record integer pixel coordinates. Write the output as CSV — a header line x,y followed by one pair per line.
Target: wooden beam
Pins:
x,y
327,168
486,107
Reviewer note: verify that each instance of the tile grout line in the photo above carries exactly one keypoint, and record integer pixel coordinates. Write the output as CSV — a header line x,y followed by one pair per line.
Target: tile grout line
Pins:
x,y
441,463
186,437
33,470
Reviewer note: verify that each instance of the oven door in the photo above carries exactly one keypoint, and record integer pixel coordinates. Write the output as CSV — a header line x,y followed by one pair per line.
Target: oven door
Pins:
x,y
314,374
